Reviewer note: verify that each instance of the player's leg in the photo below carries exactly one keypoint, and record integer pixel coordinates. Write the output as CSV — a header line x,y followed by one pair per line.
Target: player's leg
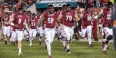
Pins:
x,y
76,32
30,37
8,32
26,32
103,34
89,31
20,36
38,31
59,34
107,39
34,34
83,32
52,35
63,36
68,38
5,33
48,42
26,35
41,35
2,36
71,32
13,37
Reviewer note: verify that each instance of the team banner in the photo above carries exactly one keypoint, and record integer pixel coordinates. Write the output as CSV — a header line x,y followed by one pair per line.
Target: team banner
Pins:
x,y
58,4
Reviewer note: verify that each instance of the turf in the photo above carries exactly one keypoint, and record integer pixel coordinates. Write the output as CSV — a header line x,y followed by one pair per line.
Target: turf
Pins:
x,y
78,50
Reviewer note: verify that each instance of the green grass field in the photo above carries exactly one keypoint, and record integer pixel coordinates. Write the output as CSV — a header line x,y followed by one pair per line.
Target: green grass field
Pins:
x,y
78,50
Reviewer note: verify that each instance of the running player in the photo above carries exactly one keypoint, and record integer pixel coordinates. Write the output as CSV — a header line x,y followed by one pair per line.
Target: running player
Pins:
x,y
32,28
86,27
19,22
50,18
67,25
6,27
107,27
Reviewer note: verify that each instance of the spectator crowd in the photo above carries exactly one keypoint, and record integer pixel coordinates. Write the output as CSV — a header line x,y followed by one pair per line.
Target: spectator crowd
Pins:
x,y
13,5
92,3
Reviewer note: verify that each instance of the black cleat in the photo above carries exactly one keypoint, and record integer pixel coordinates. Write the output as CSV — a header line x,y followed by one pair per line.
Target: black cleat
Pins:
x,y
46,47
5,42
39,42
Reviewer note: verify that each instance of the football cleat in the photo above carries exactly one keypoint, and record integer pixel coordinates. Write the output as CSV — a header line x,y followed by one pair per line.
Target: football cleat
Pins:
x,y
49,56
104,52
27,40
5,42
39,42
68,51
16,42
30,44
45,46
90,45
19,54
85,38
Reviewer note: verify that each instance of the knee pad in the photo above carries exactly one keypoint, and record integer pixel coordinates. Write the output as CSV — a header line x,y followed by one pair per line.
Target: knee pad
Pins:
x,y
109,37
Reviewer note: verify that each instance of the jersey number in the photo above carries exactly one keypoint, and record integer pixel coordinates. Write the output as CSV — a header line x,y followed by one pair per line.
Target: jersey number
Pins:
x,y
50,20
68,18
108,16
5,22
89,18
19,22
32,24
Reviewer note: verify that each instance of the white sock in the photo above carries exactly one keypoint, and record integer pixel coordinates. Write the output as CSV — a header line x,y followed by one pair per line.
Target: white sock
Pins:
x,y
49,52
49,47
105,47
89,40
19,50
64,43
30,40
